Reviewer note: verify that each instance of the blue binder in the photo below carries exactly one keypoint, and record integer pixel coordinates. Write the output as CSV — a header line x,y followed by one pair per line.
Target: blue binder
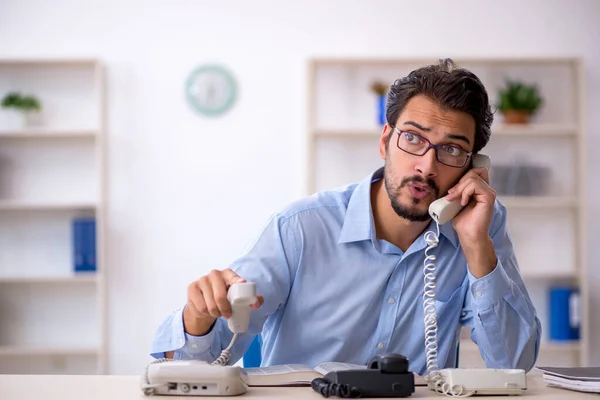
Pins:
x,y
253,356
84,244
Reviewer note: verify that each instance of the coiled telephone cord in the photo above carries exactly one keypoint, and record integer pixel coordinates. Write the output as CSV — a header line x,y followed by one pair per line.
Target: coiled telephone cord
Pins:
x,y
431,328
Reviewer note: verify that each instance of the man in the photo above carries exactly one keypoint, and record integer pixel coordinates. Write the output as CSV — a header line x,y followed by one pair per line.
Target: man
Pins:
x,y
341,273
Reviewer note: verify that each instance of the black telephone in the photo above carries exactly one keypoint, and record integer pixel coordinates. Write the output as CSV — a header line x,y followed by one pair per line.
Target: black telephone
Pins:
x,y
386,375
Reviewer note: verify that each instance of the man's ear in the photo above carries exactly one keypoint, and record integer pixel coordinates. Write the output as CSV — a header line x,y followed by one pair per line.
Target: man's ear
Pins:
x,y
383,140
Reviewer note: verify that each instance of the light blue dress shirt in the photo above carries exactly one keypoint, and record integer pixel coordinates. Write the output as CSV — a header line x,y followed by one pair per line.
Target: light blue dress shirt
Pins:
x,y
334,292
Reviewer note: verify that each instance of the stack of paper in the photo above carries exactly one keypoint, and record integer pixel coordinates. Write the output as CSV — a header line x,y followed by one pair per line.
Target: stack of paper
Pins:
x,y
582,379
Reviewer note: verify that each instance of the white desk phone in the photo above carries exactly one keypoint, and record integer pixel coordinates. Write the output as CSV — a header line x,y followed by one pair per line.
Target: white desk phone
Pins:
x,y
199,378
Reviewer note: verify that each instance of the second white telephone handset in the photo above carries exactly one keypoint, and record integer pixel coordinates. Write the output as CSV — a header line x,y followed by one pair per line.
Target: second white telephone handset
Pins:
x,y
465,381
443,210
199,378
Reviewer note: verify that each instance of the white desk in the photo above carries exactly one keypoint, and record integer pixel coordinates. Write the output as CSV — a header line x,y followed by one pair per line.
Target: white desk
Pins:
x,y
117,387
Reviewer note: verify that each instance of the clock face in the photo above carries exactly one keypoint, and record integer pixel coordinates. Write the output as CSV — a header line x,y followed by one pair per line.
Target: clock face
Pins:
x,y
211,90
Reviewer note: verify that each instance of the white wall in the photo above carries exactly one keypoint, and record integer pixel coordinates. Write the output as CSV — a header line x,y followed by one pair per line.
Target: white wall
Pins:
x,y
187,193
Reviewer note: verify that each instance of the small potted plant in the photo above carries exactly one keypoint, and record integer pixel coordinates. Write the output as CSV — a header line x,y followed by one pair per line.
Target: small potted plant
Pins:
x,y
22,106
519,101
380,91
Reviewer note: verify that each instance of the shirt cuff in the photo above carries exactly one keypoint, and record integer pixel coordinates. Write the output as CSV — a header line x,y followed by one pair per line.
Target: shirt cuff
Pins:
x,y
489,289
198,344
181,342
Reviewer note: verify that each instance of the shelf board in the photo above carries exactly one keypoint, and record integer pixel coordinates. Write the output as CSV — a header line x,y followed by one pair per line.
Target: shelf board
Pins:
x,y
544,130
44,133
67,62
549,275
537,201
348,133
383,61
22,350
75,279
15,205
529,130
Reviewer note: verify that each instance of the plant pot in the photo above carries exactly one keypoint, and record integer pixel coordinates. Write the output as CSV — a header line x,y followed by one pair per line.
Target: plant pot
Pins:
x,y
516,117
17,120
12,120
32,119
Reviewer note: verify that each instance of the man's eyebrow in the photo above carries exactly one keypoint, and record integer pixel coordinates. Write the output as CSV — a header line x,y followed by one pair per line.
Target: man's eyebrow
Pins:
x,y
458,137
455,136
416,125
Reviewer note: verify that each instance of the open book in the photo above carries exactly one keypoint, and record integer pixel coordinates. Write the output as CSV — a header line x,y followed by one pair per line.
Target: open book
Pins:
x,y
298,374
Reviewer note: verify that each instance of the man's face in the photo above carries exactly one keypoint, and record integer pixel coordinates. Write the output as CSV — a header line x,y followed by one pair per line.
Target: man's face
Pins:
x,y
414,182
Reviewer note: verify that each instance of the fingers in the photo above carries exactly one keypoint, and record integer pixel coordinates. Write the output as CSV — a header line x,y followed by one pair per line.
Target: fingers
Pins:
x,y
480,174
472,186
470,178
467,193
219,294
484,173
196,305
259,302
210,308
231,277
207,297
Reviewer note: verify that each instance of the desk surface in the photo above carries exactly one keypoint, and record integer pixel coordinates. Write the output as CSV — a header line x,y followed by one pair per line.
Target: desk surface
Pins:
x,y
117,387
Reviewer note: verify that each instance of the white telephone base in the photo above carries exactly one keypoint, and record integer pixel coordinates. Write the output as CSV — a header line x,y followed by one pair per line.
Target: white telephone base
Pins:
x,y
484,381
194,378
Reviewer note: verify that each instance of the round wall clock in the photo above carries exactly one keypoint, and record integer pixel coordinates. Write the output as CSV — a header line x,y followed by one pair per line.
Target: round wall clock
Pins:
x,y
211,90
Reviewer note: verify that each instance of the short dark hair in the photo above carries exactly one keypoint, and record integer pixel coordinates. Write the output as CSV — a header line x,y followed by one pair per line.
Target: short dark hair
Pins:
x,y
449,86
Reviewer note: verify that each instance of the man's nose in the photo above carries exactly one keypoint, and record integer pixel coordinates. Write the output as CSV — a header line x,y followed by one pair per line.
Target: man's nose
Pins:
x,y
427,164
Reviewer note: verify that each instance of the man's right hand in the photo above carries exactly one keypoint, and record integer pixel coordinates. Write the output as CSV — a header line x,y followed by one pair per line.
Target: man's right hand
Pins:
x,y
207,301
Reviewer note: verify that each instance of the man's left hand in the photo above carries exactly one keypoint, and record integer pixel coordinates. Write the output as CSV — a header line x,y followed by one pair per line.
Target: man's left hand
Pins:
x,y
473,222
478,198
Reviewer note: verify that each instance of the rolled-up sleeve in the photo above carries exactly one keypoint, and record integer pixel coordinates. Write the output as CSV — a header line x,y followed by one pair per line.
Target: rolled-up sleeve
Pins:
x,y
170,336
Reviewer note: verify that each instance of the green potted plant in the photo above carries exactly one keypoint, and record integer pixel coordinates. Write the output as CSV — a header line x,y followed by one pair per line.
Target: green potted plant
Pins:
x,y
21,105
518,101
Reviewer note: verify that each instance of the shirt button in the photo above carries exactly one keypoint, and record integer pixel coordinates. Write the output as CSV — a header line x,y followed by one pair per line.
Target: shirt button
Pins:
x,y
380,345
478,293
391,300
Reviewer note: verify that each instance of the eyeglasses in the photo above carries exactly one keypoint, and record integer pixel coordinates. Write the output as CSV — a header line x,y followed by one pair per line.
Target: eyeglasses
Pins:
x,y
447,154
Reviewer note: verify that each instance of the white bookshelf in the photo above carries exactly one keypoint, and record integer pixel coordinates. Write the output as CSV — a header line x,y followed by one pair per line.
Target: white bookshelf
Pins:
x,y
41,133
548,229
53,318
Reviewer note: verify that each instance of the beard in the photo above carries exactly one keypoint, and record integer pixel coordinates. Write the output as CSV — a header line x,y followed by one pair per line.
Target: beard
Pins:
x,y
408,212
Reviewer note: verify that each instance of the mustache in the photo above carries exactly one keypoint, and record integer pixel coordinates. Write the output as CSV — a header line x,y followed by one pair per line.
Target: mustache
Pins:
x,y
419,179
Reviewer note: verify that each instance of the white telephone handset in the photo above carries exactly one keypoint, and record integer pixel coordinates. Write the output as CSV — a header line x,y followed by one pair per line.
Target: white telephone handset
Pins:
x,y
199,378
460,382
442,210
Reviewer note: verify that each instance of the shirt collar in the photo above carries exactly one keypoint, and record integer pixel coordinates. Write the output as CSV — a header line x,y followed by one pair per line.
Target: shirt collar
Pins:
x,y
359,223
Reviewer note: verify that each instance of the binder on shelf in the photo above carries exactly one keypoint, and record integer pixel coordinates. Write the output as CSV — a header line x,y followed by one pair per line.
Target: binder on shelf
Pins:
x,y
84,244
